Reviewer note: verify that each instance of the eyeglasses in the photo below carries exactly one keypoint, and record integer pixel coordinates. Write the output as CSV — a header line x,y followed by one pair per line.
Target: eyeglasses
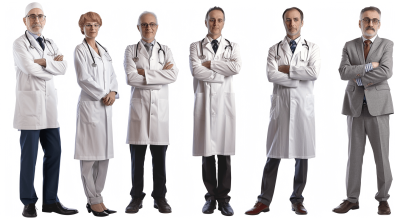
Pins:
x,y
33,17
90,26
145,25
374,21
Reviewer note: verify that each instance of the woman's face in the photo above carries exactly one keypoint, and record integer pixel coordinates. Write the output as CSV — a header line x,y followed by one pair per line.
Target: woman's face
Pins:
x,y
91,29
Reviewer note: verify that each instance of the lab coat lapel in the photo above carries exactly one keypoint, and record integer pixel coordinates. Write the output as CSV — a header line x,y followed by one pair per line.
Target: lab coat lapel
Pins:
x,y
360,50
285,47
207,45
221,47
299,47
35,44
374,46
142,50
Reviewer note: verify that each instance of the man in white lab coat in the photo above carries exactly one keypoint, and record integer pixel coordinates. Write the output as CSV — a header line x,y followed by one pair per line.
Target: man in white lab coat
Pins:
x,y
149,68
214,61
293,65
37,60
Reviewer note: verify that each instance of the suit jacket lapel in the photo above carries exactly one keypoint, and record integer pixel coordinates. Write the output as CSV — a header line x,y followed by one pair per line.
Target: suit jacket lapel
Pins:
x,y
360,50
375,46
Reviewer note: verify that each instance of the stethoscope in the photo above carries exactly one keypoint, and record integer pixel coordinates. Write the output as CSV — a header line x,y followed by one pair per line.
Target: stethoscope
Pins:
x,y
277,57
94,62
136,59
45,42
202,56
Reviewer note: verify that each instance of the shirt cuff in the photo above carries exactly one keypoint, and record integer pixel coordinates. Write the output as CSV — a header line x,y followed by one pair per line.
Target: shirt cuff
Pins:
x,y
368,67
359,82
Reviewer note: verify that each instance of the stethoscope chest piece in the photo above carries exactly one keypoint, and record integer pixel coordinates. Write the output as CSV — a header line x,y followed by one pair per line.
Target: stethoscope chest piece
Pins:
x,y
94,64
202,57
277,57
135,59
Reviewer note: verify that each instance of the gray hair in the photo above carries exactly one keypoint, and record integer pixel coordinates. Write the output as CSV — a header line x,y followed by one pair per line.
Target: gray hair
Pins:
x,y
144,13
371,8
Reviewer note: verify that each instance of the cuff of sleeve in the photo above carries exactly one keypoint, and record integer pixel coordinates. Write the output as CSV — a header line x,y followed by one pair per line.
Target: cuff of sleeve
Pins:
x,y
368,67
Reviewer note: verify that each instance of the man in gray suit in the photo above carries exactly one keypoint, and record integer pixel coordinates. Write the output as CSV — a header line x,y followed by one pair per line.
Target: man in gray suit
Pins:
x,y
367,64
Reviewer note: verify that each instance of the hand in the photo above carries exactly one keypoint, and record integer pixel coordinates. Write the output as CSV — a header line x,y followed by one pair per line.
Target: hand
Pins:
x,y
141,71
284,68
168,66
355,81
109,99
207,64
375,64
41,62
59,58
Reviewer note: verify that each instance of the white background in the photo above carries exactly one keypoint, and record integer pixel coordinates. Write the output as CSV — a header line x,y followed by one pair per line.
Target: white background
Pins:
x,y
255,26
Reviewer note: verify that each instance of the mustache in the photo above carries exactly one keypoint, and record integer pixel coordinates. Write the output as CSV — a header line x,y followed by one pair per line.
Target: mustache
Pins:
x,y
370,28
36,25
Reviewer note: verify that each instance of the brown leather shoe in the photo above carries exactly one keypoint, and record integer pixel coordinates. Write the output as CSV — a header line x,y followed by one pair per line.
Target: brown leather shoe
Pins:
x,y
257,209
299,209
345,206
383,208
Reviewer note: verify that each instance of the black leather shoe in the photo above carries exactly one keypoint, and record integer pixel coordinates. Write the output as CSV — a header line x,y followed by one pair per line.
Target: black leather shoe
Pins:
x,y
98,214
209,206
225,208
162,205
110,211
29,211
134,205
58,208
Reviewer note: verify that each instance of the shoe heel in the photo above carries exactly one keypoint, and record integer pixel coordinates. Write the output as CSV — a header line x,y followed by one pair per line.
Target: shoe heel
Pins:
x,y
355,207
46,209
88,208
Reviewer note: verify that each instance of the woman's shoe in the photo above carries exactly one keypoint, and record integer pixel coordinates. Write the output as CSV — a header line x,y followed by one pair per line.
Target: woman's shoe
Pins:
x,y
99,214
110,211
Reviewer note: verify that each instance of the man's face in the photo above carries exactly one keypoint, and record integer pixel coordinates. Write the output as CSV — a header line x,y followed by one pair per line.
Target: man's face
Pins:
x,y
369,23
91,29
148,27
215,22
35,21
293,23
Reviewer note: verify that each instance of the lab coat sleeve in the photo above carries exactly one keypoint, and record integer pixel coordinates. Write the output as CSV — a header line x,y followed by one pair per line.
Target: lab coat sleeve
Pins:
x,y
276,76
199,71
114,83
309,72
231,67
160,76
384,71
348,71
85,80
55,67
24,61
132,76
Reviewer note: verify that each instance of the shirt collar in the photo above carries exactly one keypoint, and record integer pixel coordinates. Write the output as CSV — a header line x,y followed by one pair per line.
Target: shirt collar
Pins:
x,y
33,35
218,39
372,39
144,42
296,40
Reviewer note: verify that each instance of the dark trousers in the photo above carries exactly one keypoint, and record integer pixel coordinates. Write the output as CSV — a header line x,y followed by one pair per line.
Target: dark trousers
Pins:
x,y
138,153
217,190
51,144
269,180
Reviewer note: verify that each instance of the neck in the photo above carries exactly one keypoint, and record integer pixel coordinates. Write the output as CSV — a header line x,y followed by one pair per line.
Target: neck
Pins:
x,y
91,42
148,41
214,36
368,37
293,37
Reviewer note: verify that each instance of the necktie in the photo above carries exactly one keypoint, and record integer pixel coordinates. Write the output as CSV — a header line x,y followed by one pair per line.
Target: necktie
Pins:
x,y
148,48
215,45
40,41
293,45
367,47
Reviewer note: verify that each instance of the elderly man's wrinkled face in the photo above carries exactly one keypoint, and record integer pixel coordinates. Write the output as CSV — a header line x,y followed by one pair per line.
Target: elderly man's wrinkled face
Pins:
x,y
215,22
35,21
293,22
148,27
370,23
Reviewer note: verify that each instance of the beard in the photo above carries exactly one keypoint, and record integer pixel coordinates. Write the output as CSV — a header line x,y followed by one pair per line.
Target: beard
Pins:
x,y
292,34
369,34
30,28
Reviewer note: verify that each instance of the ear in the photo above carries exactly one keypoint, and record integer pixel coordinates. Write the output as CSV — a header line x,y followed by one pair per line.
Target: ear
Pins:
x,y
24,19
138,28
205,22
82,32
302,23
359,23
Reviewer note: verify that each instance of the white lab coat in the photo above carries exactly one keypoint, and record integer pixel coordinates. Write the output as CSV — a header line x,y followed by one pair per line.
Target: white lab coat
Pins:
x,y
148,121
291,131
36,95
94,135
214,104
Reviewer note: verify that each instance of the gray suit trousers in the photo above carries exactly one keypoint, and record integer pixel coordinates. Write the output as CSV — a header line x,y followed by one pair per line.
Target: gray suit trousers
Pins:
x,y
377,130
94,177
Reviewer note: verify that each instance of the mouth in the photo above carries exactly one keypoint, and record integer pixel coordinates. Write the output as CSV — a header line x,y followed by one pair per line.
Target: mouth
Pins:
x,y
370,28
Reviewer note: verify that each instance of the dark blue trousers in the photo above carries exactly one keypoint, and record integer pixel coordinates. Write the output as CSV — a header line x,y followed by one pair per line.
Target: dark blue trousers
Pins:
x,y
138,153
51,144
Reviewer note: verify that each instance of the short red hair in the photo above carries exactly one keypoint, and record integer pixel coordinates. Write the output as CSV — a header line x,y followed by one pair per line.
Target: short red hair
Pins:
x,y
89,17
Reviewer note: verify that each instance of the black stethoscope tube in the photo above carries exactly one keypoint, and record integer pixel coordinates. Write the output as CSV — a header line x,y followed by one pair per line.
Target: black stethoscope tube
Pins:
x,y
136,58
277,57
44,40
94,62
202,57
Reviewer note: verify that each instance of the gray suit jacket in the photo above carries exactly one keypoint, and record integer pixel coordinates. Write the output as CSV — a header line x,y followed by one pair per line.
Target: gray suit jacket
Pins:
x,y
376,87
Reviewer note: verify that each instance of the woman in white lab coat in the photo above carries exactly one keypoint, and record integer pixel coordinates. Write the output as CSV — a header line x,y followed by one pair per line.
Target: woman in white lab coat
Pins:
x,y
94,140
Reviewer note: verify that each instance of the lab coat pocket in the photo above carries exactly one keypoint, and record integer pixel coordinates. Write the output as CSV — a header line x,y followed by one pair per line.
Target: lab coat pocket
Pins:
x,y
163,109
310,106
199,106
89,112
274,112
230,108
30,106
136,109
